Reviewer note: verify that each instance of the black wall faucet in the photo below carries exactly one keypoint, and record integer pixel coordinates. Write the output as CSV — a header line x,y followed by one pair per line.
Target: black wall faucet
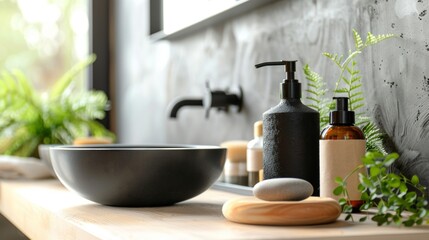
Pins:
x,y
218,99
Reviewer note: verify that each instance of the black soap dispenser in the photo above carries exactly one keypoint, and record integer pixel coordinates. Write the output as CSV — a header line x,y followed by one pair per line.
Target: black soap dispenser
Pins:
x,y
291,133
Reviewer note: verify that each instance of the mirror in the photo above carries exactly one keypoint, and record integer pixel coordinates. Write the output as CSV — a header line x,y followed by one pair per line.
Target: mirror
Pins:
x,y
170,19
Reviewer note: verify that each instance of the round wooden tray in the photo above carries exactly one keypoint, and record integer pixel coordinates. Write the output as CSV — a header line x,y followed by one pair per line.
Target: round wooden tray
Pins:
x,y
310,211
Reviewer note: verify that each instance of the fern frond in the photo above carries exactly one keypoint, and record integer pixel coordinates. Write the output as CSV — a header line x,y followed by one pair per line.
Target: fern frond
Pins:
x,y
374,39
362,121
314,100
355,86
88,105
374,136
64,82
353,101
19,139
25,88
357,107
313,106
316,94
97,130
342,90
346,62
346,80
358,40
356,94
313,92
356,78
352,72
17,98
335,58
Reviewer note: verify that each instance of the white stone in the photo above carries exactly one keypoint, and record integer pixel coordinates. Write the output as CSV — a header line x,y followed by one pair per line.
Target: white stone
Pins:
x,y
283,189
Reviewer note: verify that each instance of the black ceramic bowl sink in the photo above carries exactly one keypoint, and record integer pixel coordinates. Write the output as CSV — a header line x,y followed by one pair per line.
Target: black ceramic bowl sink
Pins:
x,y
138,176
45,157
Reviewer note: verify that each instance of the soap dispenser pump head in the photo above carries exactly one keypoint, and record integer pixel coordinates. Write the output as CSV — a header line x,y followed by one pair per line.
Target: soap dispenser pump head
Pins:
x,y
342,115
290,88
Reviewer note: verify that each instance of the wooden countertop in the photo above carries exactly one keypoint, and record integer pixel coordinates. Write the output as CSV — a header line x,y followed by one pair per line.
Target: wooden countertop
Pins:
x,y
46,210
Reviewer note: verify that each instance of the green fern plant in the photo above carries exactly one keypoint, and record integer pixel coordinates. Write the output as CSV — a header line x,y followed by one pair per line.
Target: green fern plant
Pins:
x,y
29,118
317,95
348,83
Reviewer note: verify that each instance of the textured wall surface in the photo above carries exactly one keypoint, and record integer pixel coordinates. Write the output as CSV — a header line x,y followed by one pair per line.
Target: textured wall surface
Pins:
x,y
395,73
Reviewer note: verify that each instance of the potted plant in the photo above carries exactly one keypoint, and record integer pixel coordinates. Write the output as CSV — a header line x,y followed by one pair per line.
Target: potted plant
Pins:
x,y
29,118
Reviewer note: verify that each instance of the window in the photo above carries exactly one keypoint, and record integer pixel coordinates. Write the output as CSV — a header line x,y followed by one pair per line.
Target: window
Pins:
x,y
45,38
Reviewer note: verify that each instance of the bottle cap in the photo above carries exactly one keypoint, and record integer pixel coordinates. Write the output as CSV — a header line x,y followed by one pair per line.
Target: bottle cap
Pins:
x,y
342,115
235,150
257,129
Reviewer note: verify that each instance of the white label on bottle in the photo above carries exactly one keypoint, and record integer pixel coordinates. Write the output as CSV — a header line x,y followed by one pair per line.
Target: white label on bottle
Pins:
x,y
254,159
235,168
338,158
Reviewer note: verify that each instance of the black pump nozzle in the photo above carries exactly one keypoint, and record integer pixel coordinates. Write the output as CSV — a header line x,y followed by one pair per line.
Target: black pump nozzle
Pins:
x,y
290,67
342,103
290,88
342,115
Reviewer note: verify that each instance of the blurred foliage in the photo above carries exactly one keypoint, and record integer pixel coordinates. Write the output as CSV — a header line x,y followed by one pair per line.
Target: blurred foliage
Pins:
x,y
29,118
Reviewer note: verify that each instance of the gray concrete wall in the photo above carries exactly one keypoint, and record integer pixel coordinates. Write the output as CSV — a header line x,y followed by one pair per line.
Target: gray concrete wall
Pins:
x,y
395,73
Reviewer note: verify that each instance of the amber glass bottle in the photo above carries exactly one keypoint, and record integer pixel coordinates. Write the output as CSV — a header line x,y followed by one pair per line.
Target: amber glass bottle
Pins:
x,y
342,145
342,132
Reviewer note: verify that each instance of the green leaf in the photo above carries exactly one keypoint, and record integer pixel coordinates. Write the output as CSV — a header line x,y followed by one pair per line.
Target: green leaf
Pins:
x,y
374,171
415,180
423,213
403,187
410,197
395,183
380,219
365,181
390,159
339,181
342,201
338,190
348,217
368,160
347,208
366,206
408,223
374,155
364,196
